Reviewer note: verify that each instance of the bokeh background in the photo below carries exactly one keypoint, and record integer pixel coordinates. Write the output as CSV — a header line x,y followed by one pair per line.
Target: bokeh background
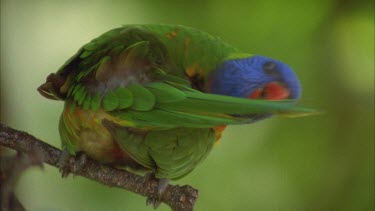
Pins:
x,y
323,162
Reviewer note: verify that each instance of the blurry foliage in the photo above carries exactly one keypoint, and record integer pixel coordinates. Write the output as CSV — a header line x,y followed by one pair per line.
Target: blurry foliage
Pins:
x,y
323,162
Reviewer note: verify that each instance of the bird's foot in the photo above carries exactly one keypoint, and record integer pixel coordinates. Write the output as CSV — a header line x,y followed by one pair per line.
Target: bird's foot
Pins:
x,y
162,185
65,164
81,160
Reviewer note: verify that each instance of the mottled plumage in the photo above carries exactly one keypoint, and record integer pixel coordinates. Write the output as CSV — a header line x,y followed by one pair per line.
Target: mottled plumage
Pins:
x,y
157,97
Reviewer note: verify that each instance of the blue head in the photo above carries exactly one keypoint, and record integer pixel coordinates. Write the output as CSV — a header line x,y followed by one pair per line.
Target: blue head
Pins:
x,y
256,77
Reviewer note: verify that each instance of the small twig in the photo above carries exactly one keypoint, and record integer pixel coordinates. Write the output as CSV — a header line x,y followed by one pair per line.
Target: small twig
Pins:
x,y
178,198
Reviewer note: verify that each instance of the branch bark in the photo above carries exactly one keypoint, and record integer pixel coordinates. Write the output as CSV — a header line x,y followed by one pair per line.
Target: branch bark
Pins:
x,y
179,198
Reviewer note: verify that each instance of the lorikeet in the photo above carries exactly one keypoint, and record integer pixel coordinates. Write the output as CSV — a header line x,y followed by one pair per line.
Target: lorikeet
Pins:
x,y
157,97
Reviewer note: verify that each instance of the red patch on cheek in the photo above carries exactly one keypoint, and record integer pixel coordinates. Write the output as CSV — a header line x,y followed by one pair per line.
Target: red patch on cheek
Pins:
x,y
274,91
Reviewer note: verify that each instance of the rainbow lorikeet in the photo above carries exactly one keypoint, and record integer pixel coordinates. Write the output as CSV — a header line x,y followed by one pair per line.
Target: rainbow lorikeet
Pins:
x,y
157,97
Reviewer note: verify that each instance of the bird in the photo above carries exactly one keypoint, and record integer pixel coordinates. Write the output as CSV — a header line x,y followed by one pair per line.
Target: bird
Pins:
x,y
155,98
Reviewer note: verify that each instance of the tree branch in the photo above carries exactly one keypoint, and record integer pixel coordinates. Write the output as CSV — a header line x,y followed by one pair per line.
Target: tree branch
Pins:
x,y
178,198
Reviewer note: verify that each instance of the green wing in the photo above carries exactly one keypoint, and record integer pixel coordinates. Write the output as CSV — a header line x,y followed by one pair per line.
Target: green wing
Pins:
x,y
169,105
169,153
177,106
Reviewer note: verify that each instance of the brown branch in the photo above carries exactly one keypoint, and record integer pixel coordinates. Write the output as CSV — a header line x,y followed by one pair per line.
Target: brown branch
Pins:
x,y
178,198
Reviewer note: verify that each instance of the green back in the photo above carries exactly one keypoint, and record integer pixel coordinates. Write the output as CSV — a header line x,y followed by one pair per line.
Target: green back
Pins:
x,y
190,47
180,48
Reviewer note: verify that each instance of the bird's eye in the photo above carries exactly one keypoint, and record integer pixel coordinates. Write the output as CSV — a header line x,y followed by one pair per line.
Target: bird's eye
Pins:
x,y
270,68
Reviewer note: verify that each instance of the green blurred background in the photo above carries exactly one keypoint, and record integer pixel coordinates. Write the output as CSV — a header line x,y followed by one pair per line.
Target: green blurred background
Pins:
x,y
323,162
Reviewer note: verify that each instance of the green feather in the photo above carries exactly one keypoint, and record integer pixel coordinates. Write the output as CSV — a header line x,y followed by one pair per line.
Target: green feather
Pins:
x,y
80,94
90,46
160,75
179,150
104,69
117,50
85,54
137,50
124,96
131,143
110,101
143,100
177,107
165,93
72,107
95,102
199,102
74,90
87,102
169,119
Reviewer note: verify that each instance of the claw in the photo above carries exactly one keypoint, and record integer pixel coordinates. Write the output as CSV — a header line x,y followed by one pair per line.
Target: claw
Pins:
x,y
162,185
81,160
64,163
155,203
148,177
